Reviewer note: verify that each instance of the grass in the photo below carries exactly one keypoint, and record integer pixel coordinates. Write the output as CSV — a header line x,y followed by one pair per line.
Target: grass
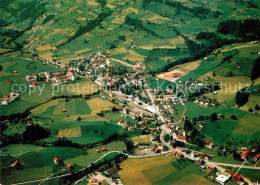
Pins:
x,y
91,131
37,161
22,66
75,106
69,132
161,170
93,155
141,139
136,171
229,86
253,175
98,104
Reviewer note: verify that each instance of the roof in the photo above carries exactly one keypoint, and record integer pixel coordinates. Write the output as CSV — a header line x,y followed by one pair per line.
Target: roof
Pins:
x,y
222,178
102,148
173,152
56,159
237,176
181,137
245,153
69,73
94,181
211,166
35,83
112,170
257,156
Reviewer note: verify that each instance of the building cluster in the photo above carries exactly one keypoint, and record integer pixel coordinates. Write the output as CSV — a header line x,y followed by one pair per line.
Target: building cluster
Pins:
x,y
13,96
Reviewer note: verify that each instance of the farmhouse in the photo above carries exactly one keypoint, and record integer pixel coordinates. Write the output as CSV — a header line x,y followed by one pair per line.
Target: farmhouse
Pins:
x,y
94,181
211,167
112,170
245,154
256,157
12,97
32,77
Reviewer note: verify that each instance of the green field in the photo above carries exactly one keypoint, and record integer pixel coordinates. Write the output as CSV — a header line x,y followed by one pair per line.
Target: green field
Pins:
x,y
161,170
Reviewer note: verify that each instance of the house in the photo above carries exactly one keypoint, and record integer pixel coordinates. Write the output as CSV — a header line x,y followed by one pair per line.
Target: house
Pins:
x,y
203,167
173,152
181,137
245,154
103,149
201,124
207,142
71,75
179,154
211,167
69,165
257,157
112,170
94,181
222,178
64,110
243,148
237,177
210,145
60,79
34,84
56,160
31,77
4,102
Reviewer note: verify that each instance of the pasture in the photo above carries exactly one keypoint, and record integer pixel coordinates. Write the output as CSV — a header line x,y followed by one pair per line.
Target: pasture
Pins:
x,y
83,132
93,155
38,161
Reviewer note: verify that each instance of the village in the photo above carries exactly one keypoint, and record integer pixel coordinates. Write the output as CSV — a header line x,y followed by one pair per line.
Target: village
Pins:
x,y
154,109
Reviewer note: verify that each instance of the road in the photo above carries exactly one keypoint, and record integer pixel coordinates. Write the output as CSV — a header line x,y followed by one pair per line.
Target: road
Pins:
x,y
122,62
156,108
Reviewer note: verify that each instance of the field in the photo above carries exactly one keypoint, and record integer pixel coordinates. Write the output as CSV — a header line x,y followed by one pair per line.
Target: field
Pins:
x,y
98,104
42,167
91,131
160,170
241,130
93,155
141,139
38,161
75,106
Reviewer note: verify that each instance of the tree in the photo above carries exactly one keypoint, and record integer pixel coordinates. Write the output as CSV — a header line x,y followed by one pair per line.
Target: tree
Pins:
x,y
257,107
250,110
187,126
167,138
233,117
81,67
112,46
114,109
213,117
34,133
242,98
256,69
